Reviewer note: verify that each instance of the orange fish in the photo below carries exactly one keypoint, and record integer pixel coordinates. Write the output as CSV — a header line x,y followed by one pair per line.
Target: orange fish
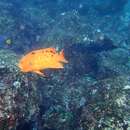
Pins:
x,y
41,59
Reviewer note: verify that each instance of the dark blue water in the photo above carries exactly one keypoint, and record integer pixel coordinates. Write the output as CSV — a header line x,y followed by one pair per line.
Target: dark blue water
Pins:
x,y
92,91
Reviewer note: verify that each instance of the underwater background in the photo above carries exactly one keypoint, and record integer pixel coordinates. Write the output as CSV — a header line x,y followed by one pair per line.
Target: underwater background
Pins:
x,y
92,92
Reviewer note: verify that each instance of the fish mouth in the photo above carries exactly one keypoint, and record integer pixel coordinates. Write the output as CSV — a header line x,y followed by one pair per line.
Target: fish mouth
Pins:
x,y
20,67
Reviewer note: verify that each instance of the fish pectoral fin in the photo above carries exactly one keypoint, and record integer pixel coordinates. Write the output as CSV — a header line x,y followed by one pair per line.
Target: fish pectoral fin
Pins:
x,y
40,73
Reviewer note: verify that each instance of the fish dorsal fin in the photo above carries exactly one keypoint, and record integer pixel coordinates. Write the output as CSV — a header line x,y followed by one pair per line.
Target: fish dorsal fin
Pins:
x,y
62,53
40,73
50,49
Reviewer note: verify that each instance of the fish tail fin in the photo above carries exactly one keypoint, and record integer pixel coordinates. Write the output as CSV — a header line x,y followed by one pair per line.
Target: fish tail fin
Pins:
x,y
62,55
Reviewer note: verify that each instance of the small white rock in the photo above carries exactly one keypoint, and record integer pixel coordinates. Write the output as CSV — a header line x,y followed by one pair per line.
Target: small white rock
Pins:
x,y
98,30
17,84
63,13
85,39
127,87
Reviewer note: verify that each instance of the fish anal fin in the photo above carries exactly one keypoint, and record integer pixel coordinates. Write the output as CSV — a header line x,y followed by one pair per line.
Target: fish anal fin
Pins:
x,y
40,73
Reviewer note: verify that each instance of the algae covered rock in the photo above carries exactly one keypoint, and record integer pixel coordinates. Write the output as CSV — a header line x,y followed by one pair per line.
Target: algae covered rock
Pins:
x,y
111,6
85,103
115,62
18,92
8,59
107,105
